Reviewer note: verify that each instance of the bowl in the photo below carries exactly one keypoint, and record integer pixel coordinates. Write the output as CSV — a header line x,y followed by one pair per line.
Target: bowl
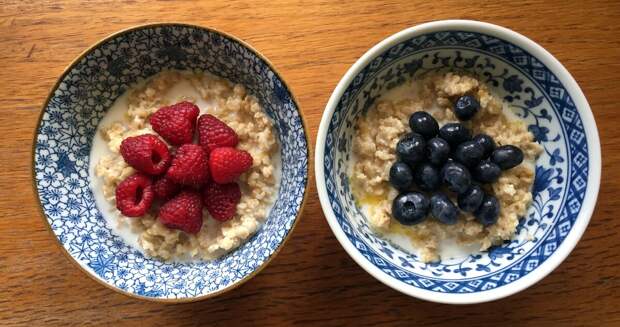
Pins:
x,y
538,89
64,136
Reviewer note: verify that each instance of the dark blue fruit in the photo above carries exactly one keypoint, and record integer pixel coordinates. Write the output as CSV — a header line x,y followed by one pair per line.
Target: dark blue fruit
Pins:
x,y
507,156
466,107
438,151
410,148
401,176
426,176
456,177
469,153
424,124
487,143
410,208
454,133
471,199
443,209
488,212
486,172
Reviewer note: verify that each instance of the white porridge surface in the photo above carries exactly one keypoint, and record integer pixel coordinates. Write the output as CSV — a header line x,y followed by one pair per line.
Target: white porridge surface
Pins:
x,y
227,101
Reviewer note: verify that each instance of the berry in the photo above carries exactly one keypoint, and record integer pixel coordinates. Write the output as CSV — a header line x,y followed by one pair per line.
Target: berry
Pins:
x,y
146,153
410,208
443,209
401,176
486,142
466,107
221,200
228,163
134,195
486,172
471,199
427,177
438,151
488,212
411,147
456,177
183,212
165,188
189,166
454,133
507,156
424,124
469,153
176,123
214,133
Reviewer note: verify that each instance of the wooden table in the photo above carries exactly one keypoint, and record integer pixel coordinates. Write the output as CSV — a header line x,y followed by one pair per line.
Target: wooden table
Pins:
x,y
312,281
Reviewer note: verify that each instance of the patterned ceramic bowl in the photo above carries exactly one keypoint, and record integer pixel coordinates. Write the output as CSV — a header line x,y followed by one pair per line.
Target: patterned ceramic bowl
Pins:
x,y
537,88
64,137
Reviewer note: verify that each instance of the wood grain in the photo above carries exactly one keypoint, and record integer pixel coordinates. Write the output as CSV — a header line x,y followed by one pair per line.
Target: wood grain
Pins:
x,y
312,281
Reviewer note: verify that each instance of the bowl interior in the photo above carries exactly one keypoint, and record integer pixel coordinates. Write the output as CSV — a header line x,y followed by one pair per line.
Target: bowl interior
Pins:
x,y
532,92
65,134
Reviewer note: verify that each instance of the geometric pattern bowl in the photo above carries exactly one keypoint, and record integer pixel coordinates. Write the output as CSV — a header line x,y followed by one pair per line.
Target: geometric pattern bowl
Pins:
x,y
536,88
64,136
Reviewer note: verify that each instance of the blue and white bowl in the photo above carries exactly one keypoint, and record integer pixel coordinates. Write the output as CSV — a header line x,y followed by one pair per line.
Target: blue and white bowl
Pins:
x,y
64,136
537,88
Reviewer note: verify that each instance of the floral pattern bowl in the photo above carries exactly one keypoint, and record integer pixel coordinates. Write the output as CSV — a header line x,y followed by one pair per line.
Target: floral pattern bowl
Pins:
x,y
64,135
538,89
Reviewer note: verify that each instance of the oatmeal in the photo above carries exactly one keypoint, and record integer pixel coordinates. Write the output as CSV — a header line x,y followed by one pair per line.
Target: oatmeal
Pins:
x,y
374,148
231,104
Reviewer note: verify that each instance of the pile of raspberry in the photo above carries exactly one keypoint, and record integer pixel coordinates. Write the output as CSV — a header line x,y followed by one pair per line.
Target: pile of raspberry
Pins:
x,y
186,176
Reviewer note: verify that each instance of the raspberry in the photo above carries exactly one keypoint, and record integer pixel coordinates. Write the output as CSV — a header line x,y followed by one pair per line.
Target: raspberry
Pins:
x,y
214,133
183,212
176,123
165,189
134,195
146,153
228,163
221,200
189,166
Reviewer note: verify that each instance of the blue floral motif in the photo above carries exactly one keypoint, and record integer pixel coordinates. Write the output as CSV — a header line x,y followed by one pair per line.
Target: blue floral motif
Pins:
x,y
532,93
69,122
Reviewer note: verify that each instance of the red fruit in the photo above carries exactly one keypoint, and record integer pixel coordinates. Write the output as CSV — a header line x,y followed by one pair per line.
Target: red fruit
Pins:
x,y
214,133
165,189
221,200
134,195
183,212
176,123
227,164
146,153
189,166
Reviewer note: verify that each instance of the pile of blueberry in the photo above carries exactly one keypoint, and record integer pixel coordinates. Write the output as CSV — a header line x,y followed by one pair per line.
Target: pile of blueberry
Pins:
x,y
431,157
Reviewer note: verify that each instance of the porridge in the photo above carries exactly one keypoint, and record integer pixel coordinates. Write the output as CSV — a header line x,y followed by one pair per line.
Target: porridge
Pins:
x,y
501,165
233,167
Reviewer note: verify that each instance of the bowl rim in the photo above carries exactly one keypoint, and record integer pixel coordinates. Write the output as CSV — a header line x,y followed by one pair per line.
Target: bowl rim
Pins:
x,y
583,108
55,86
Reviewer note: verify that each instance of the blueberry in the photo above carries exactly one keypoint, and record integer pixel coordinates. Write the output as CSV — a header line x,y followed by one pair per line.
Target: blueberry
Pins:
x,y
486,172
410,208
401,176
424,124
443,209
469,153
456,177
507,156
466,107
488,212
471,199
454,133
486,142
426,176
411,148
438,150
